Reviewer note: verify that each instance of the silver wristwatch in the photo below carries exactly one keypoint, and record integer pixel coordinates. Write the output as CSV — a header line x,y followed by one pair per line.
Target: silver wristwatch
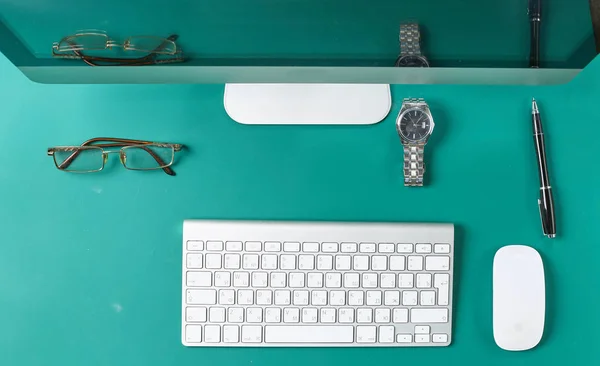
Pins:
x,y
414,126
410,47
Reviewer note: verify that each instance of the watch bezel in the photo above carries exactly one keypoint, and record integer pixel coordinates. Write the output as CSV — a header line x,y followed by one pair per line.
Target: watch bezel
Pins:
x,y
423,109
421,58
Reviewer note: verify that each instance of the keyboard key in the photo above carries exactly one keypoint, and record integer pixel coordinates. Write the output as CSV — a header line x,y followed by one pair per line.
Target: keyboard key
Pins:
x,y
194,261
400,316
405,280
351,280
366,333
226,297
251,334
364,315
356,298
329,247
222,279
214,246
404,248
283,297
217,315
306,262
235,315
337,298
404,338
328,315
421,338
441,281
361,263
231,334
440,338
391,298
415,263
382,315
343,262
349,247
233,246
260,279
388,280
195,245
387,248
241,279
201,297
424,280
369,280
346,315
309,334
296,280
422,329
318,298
253,246
193,333
310,247
324,262
272,246
273,315
232,261
254,315
423,248
367,248
333,280
441,249
199,279
409,298
213,261
427,298
418,315
268,261
300,297
309,315
386,334
291,246
264,297
291,315
287,261
250,261
245,297
437,263
397,263
373,298
195,315
378,263
315,280
278,279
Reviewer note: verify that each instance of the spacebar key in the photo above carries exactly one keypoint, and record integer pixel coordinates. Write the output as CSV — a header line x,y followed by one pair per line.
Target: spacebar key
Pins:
x,y
309,334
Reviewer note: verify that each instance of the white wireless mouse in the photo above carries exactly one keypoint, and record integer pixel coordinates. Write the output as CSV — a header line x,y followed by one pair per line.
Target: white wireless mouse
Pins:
x,y
519,298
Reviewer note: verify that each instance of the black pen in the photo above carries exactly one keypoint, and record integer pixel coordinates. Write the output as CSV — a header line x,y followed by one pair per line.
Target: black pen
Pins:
x,y
545,202
535,17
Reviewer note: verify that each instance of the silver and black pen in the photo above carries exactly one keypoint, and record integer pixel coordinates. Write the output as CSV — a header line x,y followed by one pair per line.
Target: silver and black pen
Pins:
x,y
545,202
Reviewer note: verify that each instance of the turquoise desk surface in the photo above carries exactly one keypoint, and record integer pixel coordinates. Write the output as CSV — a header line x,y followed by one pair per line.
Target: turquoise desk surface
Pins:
x,y
90,265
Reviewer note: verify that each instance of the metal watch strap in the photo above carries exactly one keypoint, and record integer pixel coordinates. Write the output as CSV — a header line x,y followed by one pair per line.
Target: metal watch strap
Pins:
x,y
414,165
410,40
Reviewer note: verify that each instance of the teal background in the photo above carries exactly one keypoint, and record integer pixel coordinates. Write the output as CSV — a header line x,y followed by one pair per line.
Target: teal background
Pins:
x,y
90,265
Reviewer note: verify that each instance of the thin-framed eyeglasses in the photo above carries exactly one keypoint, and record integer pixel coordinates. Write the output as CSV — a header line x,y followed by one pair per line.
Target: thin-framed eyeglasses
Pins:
x,y
159,50
91,156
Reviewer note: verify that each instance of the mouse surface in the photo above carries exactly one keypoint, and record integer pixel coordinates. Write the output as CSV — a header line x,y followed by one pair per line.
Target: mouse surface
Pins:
x,y
519,298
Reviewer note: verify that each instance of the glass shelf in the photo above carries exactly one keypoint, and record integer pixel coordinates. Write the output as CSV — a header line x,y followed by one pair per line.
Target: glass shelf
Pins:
x,y
321,41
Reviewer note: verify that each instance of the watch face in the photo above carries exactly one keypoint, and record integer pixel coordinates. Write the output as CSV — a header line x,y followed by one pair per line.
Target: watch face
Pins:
x,y
412,61
415,125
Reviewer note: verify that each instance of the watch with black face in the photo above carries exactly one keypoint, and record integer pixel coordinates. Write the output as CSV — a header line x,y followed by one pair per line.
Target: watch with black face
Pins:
x,y
414,126
410,47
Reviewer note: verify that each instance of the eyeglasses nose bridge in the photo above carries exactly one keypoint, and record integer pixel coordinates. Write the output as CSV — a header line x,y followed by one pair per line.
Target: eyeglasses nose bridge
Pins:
x,y
104,157
122,157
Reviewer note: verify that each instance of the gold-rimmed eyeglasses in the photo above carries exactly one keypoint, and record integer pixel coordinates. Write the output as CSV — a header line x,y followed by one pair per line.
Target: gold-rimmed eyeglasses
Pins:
x,y
157,50
90,157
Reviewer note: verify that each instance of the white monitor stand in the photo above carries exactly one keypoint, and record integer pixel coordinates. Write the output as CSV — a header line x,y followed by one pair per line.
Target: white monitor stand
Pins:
x,y
307,104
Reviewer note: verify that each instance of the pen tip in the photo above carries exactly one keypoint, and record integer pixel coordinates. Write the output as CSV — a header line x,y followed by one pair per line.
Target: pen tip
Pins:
x,y
534,105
